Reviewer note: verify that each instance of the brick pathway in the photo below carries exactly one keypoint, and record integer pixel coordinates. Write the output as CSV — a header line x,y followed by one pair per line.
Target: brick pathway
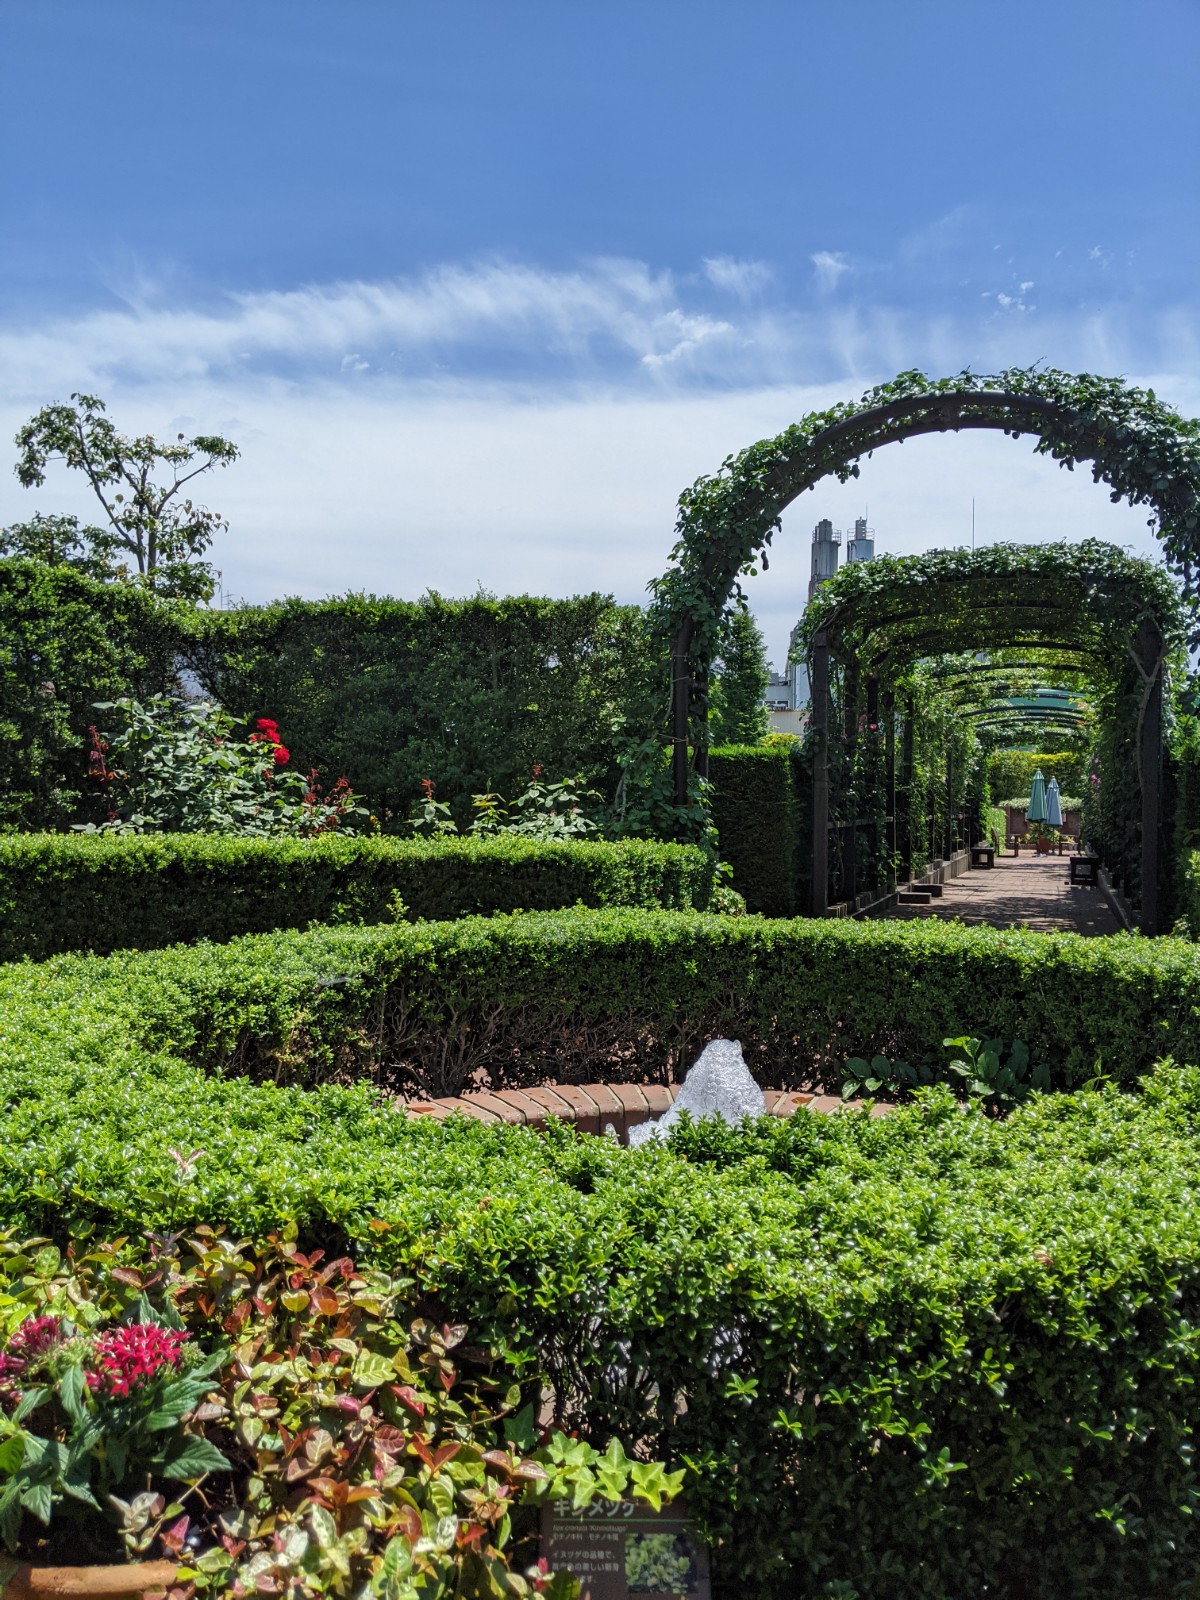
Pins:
x,y
1024,891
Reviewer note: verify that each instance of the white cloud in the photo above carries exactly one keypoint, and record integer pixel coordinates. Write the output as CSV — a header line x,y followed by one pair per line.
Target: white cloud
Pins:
x,y
741,278
381,451
829,266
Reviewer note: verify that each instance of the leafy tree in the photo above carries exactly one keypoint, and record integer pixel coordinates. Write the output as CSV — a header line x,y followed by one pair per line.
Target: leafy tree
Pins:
x,y
165,533
60,541
738,714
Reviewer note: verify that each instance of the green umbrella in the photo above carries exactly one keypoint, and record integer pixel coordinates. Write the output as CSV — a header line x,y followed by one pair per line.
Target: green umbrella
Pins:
x,y
1035,811
1053,805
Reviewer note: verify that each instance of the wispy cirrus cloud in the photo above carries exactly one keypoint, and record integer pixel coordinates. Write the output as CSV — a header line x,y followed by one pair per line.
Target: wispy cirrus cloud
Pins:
x,y
530,429
829,266
608,323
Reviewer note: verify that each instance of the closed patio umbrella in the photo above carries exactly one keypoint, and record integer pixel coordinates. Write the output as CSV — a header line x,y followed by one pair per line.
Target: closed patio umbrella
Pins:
x,y
1035,811
1053,805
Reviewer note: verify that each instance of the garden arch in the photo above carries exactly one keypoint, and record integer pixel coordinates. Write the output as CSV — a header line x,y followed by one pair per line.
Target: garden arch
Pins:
x,y
1090,611
1142,449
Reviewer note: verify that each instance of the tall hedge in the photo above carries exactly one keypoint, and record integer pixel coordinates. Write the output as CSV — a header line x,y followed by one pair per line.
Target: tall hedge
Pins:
x,y
470,693
67,641
761,800
1010,772
82,892
932,1355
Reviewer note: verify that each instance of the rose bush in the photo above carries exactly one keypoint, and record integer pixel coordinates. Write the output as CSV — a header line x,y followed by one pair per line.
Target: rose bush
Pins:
x,y
179,767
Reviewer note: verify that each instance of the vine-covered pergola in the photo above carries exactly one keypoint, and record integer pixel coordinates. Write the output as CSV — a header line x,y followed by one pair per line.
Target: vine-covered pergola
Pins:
x,y
1142,449
1085,613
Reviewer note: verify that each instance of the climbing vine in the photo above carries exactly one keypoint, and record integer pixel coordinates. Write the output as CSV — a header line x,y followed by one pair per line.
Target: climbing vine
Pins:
x,y
1140,447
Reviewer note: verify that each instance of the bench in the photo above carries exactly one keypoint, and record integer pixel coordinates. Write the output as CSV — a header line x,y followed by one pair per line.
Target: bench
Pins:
x,y
1085,870
983,855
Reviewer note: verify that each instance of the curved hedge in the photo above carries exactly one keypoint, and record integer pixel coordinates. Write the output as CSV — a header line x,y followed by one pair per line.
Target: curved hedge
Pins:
x,y
629,995
63,892
926,1356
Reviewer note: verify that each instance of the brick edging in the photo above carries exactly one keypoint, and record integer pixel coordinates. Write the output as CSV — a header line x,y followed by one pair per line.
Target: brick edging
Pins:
x,y
592,1106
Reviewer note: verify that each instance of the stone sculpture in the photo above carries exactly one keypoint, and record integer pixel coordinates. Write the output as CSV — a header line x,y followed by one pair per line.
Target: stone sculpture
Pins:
x,y
719,1084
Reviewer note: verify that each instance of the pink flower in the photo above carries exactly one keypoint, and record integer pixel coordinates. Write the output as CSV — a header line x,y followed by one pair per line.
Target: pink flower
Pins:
x,y
125,1358
35,1337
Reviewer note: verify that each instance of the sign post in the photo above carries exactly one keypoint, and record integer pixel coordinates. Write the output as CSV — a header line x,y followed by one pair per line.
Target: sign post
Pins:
x,y
621,1550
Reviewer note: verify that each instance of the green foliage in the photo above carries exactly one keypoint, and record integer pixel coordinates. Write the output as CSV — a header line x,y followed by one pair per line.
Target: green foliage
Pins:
x,y
543,810
739,713
932,1354
993,1080
881,1076
188,767
59,541
991,1077
1010,772
101,893
588,995
152,522
761,806
360,1445
471,694
67,641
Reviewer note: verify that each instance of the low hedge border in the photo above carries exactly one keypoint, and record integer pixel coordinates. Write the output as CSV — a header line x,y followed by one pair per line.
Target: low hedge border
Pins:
x,y
633,996
62,892
930,1354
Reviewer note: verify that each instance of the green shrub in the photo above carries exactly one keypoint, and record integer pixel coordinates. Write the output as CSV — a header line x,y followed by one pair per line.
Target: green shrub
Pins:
x,y
584,995
67,641
61,892
761,809
111,1352
1011,771
930,1355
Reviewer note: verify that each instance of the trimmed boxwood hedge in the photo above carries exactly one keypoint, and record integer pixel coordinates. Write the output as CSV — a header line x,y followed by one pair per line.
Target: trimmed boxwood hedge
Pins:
x,y
631,994
918,1358
762,809
63,892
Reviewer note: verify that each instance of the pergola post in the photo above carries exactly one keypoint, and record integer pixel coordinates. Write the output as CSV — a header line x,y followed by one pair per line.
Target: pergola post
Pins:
x,y
848,832
680,707
1148,646
820,812
904,798
889,780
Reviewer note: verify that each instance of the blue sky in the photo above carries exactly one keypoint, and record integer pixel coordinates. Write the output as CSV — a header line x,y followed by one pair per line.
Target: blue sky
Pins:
x,y
478,288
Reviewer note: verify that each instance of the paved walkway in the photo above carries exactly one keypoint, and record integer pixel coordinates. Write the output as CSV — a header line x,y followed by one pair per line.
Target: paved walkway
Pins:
x,y
1024,891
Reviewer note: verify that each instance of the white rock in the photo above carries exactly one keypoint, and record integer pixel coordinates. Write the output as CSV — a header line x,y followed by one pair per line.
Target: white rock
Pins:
x,y
718,1085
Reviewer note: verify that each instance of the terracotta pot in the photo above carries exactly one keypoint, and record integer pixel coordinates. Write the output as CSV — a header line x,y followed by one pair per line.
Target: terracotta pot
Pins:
x,y
84,1583
1042,847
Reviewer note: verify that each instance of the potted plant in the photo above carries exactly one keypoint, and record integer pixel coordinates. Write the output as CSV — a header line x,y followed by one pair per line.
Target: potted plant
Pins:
x,y
1042,837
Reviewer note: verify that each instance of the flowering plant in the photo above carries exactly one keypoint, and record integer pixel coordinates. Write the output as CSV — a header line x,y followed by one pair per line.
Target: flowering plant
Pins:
x,y
542,811
176,767
339,1440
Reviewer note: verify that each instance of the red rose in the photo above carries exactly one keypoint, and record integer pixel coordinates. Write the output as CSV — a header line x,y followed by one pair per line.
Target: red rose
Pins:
x,y
282,755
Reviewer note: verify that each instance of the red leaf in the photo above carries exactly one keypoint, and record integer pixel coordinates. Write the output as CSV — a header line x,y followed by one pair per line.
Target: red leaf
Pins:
x,y
174,1537
238,1317
408,1398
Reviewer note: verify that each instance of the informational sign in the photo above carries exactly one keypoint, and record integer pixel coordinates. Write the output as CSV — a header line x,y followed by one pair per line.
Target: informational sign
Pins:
x,y
621,1550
